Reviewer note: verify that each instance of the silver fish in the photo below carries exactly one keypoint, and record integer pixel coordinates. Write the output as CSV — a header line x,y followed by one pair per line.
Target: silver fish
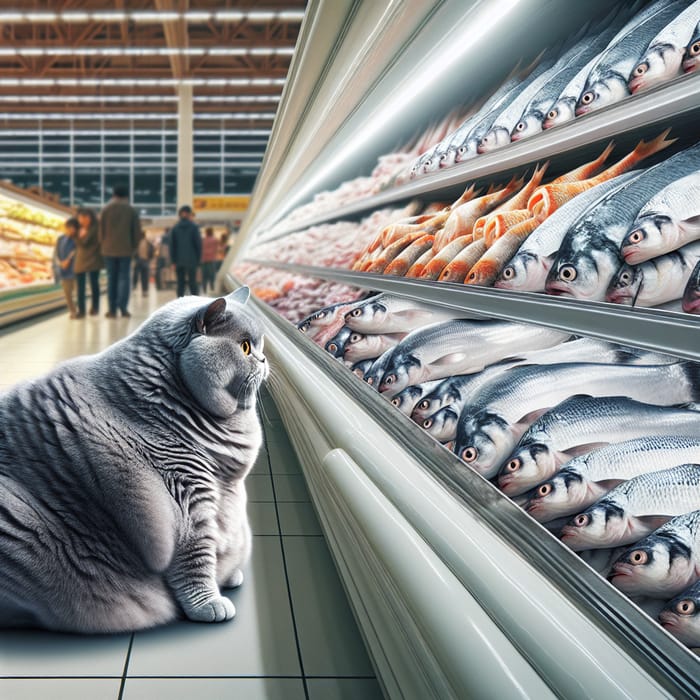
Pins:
x,y
323,324
691,295
656,281
589,255
607,81
691,55
668,221
375,373
681,616
336,345
663,57
527,270
361,368
664,563
490,427
407,399
459,347
585,479
635,509
581,424
363,347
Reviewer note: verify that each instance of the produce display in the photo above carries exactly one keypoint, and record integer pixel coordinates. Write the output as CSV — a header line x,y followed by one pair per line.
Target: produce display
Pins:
x,y
27,238
597,441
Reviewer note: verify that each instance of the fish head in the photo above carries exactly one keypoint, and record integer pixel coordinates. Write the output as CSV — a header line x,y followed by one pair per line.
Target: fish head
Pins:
x,y
483,440
401,371
583,274
521,273
466,150
361,368
495,138
529,125
691,56
562,111
661,62
442,425
367,318
529,465
606,91
405,400
557,497
600,526
427,406
447,159
336,345
650,235
660,565
625,285
691,296
432,164
681,616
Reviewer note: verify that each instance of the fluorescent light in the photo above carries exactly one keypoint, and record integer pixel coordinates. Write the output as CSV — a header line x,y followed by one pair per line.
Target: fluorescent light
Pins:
x,y
150,16
145,51
75,16
229,15
197,16
136,116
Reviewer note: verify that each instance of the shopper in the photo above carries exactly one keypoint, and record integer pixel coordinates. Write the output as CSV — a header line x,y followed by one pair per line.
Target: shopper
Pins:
x,y
186,250
210,250
64,259
163,260
88,261
144,255
120,233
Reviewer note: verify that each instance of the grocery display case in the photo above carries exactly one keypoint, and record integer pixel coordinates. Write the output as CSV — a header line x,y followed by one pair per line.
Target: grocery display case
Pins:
x,y
457,591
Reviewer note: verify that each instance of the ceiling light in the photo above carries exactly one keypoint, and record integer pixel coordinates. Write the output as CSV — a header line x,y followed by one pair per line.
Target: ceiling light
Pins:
x,y
229,15
75,16
83,116
197,16
149,16
142,82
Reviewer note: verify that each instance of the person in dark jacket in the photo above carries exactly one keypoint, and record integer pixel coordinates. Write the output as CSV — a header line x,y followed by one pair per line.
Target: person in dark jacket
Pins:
x,y
88,261
186,250
120,233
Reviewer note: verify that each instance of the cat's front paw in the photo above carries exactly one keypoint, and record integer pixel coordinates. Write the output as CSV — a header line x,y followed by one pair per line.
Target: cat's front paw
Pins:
x,y
214,610
234,580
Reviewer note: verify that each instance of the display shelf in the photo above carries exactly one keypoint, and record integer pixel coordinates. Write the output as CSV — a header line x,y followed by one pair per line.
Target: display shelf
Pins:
x,y
662,106
653,329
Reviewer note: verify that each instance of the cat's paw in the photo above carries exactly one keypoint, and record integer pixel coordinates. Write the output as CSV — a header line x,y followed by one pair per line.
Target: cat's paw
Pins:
x,y
218,609
234,580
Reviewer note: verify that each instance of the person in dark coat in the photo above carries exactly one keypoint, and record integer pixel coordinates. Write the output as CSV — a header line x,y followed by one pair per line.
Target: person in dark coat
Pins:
x,y
120,233
88,261
186,250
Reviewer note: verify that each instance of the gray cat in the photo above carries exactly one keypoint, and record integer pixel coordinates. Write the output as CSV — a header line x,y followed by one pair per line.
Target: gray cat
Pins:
x,y
122,502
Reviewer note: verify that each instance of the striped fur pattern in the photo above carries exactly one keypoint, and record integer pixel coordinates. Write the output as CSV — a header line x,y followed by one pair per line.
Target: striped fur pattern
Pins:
x,y
122,497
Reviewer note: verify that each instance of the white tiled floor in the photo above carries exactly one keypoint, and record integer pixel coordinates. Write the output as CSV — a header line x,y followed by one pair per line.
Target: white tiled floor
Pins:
x,y
293,636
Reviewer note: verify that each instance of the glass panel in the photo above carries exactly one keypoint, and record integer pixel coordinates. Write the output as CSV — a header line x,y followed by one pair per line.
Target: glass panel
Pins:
x,y
148,185
171,188
21,177
239,181
207,181
57,181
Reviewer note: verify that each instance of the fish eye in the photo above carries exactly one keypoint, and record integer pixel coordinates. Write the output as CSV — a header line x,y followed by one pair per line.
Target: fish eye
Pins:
x,y
567,273
642,68
370,381
582,520
461,149
544,490
685,607
390,379
694,50
587,98
553,114
424,404
396,402
513,465
332,347
520,126
427,423
626,277
472,276
245,347
508,273
636,236
469,454
356,312
639,557
356,337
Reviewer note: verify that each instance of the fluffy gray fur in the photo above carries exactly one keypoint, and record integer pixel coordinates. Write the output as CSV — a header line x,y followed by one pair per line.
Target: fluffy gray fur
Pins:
x,y
122,497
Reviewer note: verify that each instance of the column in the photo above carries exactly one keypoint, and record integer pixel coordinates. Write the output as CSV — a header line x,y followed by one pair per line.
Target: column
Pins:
x,y
185,150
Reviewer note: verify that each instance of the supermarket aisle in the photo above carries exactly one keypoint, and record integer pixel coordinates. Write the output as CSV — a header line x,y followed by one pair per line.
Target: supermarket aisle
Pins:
x,y
294,635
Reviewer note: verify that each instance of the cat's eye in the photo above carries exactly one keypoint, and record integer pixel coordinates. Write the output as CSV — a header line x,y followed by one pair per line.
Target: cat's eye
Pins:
x,y
245,346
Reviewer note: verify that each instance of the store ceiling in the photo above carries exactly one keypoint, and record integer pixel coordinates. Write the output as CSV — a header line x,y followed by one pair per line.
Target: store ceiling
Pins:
x,y
90,64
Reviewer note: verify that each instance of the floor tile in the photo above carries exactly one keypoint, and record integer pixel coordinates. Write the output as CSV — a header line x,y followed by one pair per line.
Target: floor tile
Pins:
x,y
263,518
258,642
330,641
290,487
214,689
259,488
59,689
283,459
298,519
38,653
344,689
262,465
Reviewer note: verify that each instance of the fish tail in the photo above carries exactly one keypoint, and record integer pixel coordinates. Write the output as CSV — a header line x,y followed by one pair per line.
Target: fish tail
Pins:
x,y
468,194
586,170
642,150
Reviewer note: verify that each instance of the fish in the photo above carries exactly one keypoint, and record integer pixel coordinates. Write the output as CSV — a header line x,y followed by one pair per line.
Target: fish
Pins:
x,y
497,224
664,563
635,508
362,367
375,373
581,424
407,399
668,221
390,313
527,270
359,346
336,345
401,264
392,251
587,170
663,57
418,267
691,55
680,616
458,268
450,391
548,198
323,324
491,425
607,81
589,255
656,281
459,347
444,257
691,295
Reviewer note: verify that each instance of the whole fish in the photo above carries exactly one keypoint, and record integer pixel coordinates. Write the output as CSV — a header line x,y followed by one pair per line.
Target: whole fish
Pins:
x,y
663,57
668,221
459,347
403,262
458,268
418,267
664,563
589,255
336,345
691,56
375,373
656,281
490,426
321,319
380,263
528,269
635,509
681,616
390,313
407,399
359,346
691,295
361,368
433,268
585,479
607,81
581,424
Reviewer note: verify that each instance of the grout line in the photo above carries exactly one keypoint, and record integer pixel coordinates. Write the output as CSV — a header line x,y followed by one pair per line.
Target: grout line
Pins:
x,y
126,667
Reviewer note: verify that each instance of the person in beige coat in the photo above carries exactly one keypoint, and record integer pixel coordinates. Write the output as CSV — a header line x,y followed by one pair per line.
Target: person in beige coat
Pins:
x,y
88,261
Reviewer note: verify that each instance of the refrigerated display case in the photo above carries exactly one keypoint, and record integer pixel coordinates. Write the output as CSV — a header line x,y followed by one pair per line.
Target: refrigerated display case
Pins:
x,y
457,591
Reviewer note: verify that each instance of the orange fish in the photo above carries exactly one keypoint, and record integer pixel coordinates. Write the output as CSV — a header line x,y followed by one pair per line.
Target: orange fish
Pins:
x,y
416,270
488,267
400,265
548,198
444,256
583,172
388,254
462,263
498,224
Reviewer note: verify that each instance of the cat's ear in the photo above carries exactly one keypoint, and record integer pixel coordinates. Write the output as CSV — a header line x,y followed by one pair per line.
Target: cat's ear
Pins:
x,y
241,295
208,314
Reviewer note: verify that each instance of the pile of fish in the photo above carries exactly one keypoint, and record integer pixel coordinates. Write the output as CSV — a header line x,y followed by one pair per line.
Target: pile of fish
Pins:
x,y
599,442
620,56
